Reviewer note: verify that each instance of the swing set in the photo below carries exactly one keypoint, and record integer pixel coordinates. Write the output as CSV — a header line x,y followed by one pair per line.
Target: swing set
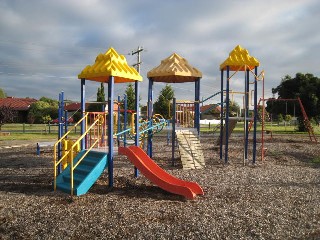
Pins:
x,y
305,118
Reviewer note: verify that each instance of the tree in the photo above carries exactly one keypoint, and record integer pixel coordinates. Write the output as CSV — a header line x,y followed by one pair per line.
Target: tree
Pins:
x,y
131,99
7,115
161,106
42,110
280,117
306,86
2,93
101,98
288,118
234,108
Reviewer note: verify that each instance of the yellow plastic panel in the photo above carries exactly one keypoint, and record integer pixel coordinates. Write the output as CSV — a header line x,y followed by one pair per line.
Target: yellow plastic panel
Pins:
x,y
239,60
110,64
174,69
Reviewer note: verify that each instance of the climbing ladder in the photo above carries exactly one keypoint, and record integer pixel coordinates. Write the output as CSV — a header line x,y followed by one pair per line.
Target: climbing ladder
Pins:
x,y
190,150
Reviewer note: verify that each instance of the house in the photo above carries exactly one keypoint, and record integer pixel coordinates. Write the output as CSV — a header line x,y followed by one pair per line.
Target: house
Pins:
x,y
210,111
20,105
76,106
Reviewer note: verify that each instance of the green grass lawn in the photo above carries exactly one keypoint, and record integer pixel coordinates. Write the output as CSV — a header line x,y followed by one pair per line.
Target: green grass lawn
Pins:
x,y
32,132
44,132
275,128
28,137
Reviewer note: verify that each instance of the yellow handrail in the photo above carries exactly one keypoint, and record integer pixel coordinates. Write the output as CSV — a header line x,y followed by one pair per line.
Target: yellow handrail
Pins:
x,y
55,148
72,167
71,151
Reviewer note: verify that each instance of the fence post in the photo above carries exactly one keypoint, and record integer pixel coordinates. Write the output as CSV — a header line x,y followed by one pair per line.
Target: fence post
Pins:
x,y
23,128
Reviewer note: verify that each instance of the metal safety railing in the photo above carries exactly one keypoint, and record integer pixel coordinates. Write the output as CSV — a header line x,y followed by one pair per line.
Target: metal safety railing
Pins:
x,y
96,128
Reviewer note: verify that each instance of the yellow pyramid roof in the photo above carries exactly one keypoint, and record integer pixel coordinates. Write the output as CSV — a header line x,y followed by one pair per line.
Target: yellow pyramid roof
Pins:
x,y
110,64
239,59
174,69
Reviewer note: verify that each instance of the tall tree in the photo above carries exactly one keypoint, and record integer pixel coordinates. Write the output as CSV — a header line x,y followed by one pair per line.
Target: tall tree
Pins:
x,y
131,97
2,93
162,104
101,98
307,88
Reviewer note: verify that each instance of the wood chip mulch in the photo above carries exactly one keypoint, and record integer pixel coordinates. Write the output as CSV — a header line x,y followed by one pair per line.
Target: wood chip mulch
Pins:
x,y
278,198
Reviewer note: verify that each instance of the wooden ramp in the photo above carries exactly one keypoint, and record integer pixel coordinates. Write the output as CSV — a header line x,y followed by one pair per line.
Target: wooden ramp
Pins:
x,y
190,150
232,125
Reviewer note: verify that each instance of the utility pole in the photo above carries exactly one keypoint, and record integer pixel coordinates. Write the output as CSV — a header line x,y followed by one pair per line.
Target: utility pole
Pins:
x,y
138,52
137,107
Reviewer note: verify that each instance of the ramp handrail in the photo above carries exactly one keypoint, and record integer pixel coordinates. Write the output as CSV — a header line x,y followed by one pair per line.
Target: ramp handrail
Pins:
x,y
98,122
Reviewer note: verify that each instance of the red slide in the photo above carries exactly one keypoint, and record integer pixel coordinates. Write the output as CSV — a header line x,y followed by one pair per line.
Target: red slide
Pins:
x,y
158,176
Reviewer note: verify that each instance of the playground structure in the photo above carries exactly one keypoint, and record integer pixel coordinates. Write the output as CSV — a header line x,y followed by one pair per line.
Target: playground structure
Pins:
x,y
86,165
185,114
239,60
80,162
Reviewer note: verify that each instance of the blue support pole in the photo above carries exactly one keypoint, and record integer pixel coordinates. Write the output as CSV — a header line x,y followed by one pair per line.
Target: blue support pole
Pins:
x,y
83,110
247,90
119,122
221,117
65,121
227,117
197,106
137,136
150,112
125,119
173,137
60,127
254,151
110,129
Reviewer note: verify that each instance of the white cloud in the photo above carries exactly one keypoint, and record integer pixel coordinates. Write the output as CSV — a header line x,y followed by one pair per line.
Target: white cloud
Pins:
x,y
43,43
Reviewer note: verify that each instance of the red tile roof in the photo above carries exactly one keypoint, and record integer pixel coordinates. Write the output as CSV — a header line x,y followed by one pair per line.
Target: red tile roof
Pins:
x,y
206,107
76,106
18,104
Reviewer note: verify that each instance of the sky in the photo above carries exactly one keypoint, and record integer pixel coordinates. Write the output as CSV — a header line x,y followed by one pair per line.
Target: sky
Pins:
x,y
44,45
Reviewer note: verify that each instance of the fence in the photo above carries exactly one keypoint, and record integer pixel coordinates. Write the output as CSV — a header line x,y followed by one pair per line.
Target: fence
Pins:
x,y
33,128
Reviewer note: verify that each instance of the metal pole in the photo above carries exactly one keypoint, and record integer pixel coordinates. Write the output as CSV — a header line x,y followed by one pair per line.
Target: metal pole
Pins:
x,y
65,121
227,117
137,136
262,128
125,119
247,114
221,116
150,110
254,151
110,129
119,122
173,137
197,106
59,129
83,109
